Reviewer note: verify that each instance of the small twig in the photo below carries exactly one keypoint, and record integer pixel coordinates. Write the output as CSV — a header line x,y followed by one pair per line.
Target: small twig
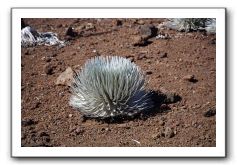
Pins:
x,y
136,141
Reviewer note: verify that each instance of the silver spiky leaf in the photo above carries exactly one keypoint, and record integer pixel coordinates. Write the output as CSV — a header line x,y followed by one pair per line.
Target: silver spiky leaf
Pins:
x,y
110,86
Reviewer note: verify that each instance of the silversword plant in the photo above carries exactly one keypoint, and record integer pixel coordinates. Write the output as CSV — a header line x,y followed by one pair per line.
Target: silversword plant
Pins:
x,y
110,86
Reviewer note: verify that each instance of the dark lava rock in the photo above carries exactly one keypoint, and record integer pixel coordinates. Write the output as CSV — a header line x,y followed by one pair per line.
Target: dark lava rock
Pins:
x,y
48,69
148,72
27,52
43,134
28,122
210,112
46,139
148,31
213,41
118,22
53,55
70,32
83,118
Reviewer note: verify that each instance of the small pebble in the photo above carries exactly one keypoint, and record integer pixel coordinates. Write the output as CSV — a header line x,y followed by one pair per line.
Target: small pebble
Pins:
x,y
43,134
70,32
140,22
48,69
141,56
163,55
169,133
161,123
27,52
155,136
28,122
139,41
47,59
190,78
211,112
118,22
213,41
172,98
79,131
148,72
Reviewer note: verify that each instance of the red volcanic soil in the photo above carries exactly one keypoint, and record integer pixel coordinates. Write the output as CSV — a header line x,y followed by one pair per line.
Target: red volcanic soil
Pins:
x,y
181,66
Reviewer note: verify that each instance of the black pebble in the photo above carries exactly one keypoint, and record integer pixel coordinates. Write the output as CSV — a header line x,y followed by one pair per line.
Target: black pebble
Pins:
x,y
210,112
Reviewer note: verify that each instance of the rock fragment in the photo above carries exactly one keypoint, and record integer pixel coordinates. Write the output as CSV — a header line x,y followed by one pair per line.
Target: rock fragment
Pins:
x,y
140,22
190,78
141,56
139,41
172,98
118,22
211,112
89,26
70,32
168,133
28,122
163,55
156,136
48,69
148,72
148,31
65,78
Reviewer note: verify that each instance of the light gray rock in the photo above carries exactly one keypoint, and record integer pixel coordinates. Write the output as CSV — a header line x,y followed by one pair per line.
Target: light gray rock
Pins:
x,y
65,78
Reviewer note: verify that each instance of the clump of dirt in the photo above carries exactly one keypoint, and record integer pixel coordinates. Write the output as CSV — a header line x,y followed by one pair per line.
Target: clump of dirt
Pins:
x,y
180,69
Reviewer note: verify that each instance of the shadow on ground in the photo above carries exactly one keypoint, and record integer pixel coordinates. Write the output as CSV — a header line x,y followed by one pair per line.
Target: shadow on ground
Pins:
x,y
161,102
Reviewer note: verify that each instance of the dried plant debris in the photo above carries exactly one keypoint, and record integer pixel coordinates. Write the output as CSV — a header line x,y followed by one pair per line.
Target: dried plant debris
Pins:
x,y
30,37
110,86
191,24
